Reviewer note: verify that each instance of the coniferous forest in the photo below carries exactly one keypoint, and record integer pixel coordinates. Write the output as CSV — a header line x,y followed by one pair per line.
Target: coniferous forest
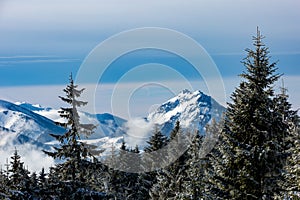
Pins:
x,y
257,154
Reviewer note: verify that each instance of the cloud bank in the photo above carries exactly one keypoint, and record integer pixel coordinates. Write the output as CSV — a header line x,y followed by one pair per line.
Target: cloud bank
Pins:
x,y
34,159
138,131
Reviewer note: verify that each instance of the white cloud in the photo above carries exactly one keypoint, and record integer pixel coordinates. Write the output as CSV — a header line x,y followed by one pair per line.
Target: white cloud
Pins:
x,y
138,131
34,59
34,159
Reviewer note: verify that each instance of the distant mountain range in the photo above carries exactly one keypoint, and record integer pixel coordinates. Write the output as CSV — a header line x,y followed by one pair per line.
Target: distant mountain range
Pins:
x,y
28,123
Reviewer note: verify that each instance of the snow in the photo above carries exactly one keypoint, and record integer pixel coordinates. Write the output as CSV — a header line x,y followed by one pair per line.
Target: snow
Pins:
x,y
27,123
190,108
32,122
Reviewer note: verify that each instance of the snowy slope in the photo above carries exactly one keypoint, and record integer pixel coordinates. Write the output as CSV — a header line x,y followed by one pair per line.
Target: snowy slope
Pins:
x,y
193,109
26,124
107,124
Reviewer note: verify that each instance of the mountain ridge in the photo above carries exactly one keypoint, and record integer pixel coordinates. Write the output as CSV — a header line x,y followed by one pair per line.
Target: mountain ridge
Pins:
x,y
193,110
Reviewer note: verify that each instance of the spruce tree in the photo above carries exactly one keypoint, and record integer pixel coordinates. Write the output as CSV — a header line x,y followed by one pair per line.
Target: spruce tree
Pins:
x,y
151,155
75,155
249,159
43,184
118,180
19,180
123,183
18,173
33,188
292,176
3,184
194,185
170,180
156,142
290,119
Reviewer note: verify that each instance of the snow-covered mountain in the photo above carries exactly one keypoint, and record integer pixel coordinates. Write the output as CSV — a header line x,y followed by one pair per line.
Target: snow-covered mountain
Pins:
x,y
28,123
25,125
107,124
192,109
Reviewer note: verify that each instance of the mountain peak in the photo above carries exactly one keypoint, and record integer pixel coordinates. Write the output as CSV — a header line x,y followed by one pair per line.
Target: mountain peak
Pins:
x,y
192,109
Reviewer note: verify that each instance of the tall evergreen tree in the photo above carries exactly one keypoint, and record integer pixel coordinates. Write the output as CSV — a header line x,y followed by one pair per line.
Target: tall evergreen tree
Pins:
x,y
76,157
118,180
249,159
156,142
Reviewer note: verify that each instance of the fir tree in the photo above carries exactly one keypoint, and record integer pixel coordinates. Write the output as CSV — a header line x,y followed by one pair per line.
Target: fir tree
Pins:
x,y
290,119
43,185
3,184
156,142
18,174
33,188
151,155
292,179
118,180
124,183
170,180
42,180
194,185
249,159
76,157
19,180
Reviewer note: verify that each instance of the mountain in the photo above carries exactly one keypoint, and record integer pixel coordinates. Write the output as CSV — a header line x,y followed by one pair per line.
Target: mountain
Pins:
x,y
192,109
107,124
28,123
22,123
25,125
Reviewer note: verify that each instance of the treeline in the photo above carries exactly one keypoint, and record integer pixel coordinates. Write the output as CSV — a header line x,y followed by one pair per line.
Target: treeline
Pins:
x,y
252,153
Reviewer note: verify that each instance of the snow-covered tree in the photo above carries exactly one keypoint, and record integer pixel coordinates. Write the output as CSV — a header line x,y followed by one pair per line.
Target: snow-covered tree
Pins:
x,y
123,182
290,119
71,149
250,156
170,180
71,175
156,142
17,171
19,179
3,184
194,185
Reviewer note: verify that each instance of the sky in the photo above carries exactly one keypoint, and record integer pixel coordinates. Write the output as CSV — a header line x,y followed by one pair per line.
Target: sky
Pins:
x,y
42,42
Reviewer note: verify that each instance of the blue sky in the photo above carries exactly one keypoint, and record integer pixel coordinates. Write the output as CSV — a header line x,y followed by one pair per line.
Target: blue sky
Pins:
x,y
43,41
